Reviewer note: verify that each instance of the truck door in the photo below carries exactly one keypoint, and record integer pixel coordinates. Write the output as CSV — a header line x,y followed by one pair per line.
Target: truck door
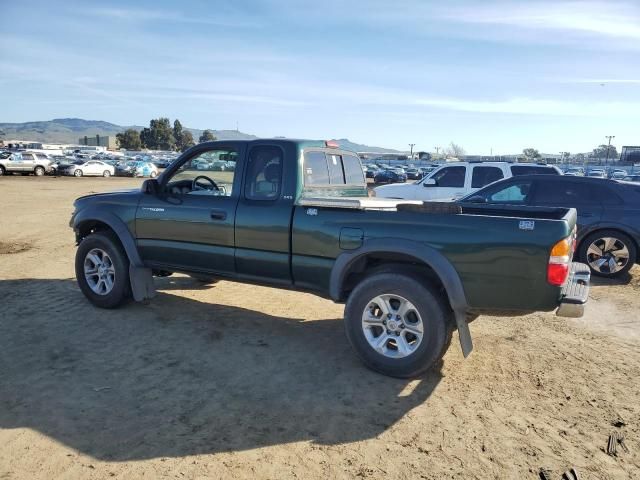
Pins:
x,y
263,217
189,224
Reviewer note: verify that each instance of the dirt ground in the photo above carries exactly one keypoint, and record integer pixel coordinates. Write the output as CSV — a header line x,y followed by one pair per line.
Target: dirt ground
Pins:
x,y
237,381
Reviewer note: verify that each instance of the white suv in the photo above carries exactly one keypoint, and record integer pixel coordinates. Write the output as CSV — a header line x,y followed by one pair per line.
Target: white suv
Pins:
x,y
454,180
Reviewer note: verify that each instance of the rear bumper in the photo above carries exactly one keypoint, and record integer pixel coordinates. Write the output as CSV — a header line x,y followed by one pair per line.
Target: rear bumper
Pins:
x,y
575,292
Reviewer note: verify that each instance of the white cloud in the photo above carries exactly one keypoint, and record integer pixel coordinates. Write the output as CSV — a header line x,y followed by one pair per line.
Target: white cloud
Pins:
x,y
609,19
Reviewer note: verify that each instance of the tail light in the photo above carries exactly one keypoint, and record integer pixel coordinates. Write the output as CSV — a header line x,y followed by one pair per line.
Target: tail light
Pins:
x,y
560,260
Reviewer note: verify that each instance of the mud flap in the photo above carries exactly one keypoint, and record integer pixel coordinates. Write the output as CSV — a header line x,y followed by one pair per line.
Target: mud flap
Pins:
x,y
142,286
464,333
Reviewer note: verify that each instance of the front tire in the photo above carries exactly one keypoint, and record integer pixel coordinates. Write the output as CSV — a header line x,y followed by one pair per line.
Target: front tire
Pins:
x,y
38,171
609,253
397,325
102,270
77,173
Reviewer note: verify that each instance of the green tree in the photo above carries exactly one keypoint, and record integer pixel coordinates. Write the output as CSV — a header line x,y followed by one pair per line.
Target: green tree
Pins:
x,y
129,139
178,132
186,141
601,152
531,154
207,136
159,135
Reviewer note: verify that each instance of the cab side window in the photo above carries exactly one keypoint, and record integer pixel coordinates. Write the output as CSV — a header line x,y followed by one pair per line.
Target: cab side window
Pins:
x,y
264,173
484,176
450,177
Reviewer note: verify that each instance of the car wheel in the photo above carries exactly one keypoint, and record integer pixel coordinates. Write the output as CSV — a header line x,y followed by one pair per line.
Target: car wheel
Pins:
x,y
397,325
77,172
38,171
2,171
153,174
609,253
102,270
106,173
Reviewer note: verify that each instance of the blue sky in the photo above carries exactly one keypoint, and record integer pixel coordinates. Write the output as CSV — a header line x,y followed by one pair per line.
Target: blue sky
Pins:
x,y
500,76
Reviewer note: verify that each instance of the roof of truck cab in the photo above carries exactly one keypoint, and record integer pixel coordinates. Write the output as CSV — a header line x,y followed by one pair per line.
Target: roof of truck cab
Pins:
x,y
301,142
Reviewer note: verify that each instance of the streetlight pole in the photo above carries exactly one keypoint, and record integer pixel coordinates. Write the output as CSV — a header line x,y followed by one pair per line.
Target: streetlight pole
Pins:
x,y
411,154
606,162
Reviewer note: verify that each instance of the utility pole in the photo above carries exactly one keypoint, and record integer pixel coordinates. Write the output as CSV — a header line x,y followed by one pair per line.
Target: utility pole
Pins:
x,y
608,147
411,154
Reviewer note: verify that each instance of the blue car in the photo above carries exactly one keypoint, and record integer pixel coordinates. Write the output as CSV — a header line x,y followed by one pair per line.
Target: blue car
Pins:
x,y
389,176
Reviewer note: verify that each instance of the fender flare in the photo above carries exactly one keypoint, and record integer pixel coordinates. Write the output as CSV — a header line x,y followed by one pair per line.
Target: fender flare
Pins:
x,y
140,277
118,227
429,256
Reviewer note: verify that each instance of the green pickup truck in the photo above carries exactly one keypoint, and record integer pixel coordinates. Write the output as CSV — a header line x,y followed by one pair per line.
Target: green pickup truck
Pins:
x,y
297,214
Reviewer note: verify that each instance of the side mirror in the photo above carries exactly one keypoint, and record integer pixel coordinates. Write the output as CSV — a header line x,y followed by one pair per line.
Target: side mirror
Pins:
x,y
476,199
150,186
429,182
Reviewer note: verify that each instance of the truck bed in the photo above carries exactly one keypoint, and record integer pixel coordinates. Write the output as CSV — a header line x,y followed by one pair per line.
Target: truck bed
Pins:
x,y
418,206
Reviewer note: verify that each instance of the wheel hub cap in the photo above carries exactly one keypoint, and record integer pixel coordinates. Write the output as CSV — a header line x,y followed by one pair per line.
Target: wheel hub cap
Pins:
x,y
607,255
392,326
99,271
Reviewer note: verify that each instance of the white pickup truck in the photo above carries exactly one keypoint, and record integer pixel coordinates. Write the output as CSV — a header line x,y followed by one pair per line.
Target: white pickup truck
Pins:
x,y
452,181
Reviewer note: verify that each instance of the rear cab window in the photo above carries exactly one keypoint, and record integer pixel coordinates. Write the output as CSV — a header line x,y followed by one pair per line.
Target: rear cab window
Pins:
x,y
328,168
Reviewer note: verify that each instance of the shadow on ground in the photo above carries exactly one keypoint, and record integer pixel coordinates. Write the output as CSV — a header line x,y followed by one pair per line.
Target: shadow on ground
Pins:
x,y
181,377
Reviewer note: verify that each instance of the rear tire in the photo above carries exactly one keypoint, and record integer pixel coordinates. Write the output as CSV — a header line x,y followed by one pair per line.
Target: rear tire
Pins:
x,y
153,174
97,246
394,348
106,173
38,171
2,171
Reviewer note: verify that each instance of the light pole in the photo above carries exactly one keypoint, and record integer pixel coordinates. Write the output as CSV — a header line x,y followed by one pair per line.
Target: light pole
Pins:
x,y
606,162
411,154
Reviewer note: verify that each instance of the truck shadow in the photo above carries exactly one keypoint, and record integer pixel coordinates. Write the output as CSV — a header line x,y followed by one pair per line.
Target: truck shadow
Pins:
x,y
182,377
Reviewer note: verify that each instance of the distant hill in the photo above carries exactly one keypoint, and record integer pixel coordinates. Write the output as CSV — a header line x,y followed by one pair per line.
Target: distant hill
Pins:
x,y
69,130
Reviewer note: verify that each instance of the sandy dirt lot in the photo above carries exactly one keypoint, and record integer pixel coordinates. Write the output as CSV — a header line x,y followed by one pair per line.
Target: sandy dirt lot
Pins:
x,y
236,381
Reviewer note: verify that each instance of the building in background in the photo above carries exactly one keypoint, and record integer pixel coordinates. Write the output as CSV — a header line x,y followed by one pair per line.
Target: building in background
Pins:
x,y
107,141
630,155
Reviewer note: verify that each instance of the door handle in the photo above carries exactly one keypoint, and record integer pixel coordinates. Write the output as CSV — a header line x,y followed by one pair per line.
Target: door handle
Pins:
x,y
218,215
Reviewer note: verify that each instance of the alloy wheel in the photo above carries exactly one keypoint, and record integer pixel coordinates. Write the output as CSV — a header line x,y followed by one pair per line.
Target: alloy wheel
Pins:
x,y
392,326
607,255
99,271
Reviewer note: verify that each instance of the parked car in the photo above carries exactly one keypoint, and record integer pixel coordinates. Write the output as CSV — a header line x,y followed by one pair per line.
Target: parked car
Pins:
x,y
81,168
608,214
632,178
299,217
574,172
617,174
25,163
414,174
449,182
597,173
389,176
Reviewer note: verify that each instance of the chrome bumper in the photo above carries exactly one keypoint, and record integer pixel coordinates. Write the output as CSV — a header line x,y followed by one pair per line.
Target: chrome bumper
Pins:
x,y
575,292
